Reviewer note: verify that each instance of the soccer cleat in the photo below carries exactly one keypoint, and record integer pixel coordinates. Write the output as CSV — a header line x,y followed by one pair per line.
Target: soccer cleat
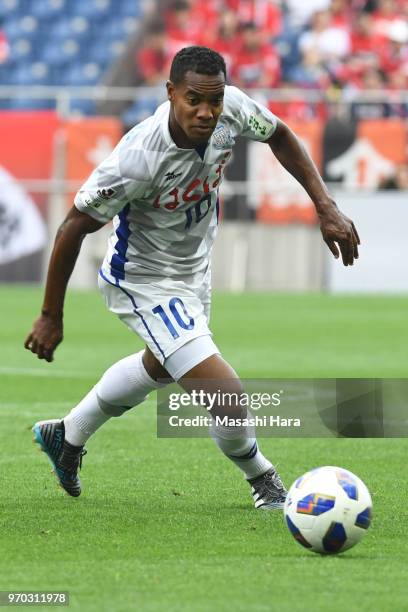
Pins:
x,y
268,491
64,457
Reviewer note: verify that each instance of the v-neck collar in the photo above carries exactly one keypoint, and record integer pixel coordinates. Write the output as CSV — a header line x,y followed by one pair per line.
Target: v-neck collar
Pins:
x,y
200,149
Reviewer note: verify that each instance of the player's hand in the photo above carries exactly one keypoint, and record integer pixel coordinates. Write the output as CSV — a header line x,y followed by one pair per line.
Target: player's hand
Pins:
x,y
337,228
46,335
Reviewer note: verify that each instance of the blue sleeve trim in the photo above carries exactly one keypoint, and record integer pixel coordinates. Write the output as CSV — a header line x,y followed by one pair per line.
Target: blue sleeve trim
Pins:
x,y
122,232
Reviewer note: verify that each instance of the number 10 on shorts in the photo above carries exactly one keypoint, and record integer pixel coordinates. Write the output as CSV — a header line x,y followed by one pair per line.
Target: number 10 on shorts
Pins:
x,y
178,313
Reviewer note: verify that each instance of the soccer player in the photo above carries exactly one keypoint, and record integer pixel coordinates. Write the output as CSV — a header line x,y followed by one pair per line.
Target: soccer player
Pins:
x,y
160,187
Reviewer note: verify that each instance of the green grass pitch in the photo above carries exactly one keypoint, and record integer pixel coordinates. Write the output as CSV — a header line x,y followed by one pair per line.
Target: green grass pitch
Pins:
x,y
169,524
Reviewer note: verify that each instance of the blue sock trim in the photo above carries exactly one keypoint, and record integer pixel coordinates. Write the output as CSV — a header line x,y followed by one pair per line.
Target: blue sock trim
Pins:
x,y
249,455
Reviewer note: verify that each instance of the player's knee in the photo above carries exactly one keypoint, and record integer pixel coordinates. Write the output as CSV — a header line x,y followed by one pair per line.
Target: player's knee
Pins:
x,y
127,398
230,400
119,388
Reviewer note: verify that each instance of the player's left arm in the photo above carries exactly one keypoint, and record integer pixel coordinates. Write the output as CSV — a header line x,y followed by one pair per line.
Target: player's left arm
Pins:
x,y
334,225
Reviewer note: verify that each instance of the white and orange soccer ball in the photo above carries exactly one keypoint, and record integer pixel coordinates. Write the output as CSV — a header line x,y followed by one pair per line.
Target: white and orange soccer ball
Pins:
x,y
328,510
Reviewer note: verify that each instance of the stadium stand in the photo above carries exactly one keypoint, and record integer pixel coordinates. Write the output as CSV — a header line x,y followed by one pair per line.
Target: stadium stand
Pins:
x,y
334,46
64,43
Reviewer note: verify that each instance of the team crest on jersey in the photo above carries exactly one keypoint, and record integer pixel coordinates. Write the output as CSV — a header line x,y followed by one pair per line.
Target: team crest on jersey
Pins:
x,y
222,137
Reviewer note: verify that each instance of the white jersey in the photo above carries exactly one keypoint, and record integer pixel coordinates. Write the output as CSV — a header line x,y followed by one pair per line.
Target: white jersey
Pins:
x,y
164,200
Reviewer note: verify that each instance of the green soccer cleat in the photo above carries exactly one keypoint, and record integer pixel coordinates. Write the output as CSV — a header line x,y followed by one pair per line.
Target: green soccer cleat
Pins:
x,y
65,458
268,491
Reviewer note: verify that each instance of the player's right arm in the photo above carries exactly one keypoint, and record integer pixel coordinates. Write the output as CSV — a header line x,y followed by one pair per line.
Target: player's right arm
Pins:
x,y
47,332
122,176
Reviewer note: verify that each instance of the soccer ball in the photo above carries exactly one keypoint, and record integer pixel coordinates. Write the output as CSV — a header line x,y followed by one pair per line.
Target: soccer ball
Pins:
x,y
328,510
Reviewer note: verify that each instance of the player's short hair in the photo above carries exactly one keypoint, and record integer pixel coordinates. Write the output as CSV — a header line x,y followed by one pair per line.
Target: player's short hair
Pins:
x,y
197,59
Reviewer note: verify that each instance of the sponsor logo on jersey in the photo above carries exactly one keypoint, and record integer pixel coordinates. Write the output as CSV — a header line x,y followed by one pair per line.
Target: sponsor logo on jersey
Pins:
x,y
222,137
88,200
259,125
106,194
94,203
170,176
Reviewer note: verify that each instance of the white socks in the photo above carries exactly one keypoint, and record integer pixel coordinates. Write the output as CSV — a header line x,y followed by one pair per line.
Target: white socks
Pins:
x,y
123,386
242,450
84,419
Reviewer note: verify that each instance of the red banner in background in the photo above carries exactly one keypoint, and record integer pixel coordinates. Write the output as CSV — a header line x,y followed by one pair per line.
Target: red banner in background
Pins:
x,y
26,152
369,158
27,145
372,157
276,195
88,142
29,149
388,136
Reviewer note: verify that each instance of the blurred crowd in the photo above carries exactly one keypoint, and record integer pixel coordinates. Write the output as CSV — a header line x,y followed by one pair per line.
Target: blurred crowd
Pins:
x,y
346,46
4,44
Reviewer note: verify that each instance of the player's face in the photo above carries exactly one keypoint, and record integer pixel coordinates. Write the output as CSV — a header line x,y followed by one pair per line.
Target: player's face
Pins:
x,y
196,104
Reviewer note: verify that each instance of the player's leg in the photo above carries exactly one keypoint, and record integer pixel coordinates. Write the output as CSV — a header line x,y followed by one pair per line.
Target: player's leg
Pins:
x,y
186,350
124,385
237,443
211,375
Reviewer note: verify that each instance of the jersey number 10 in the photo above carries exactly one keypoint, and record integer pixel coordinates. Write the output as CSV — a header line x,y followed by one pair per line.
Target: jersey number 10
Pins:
x,y
198,211
174,305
